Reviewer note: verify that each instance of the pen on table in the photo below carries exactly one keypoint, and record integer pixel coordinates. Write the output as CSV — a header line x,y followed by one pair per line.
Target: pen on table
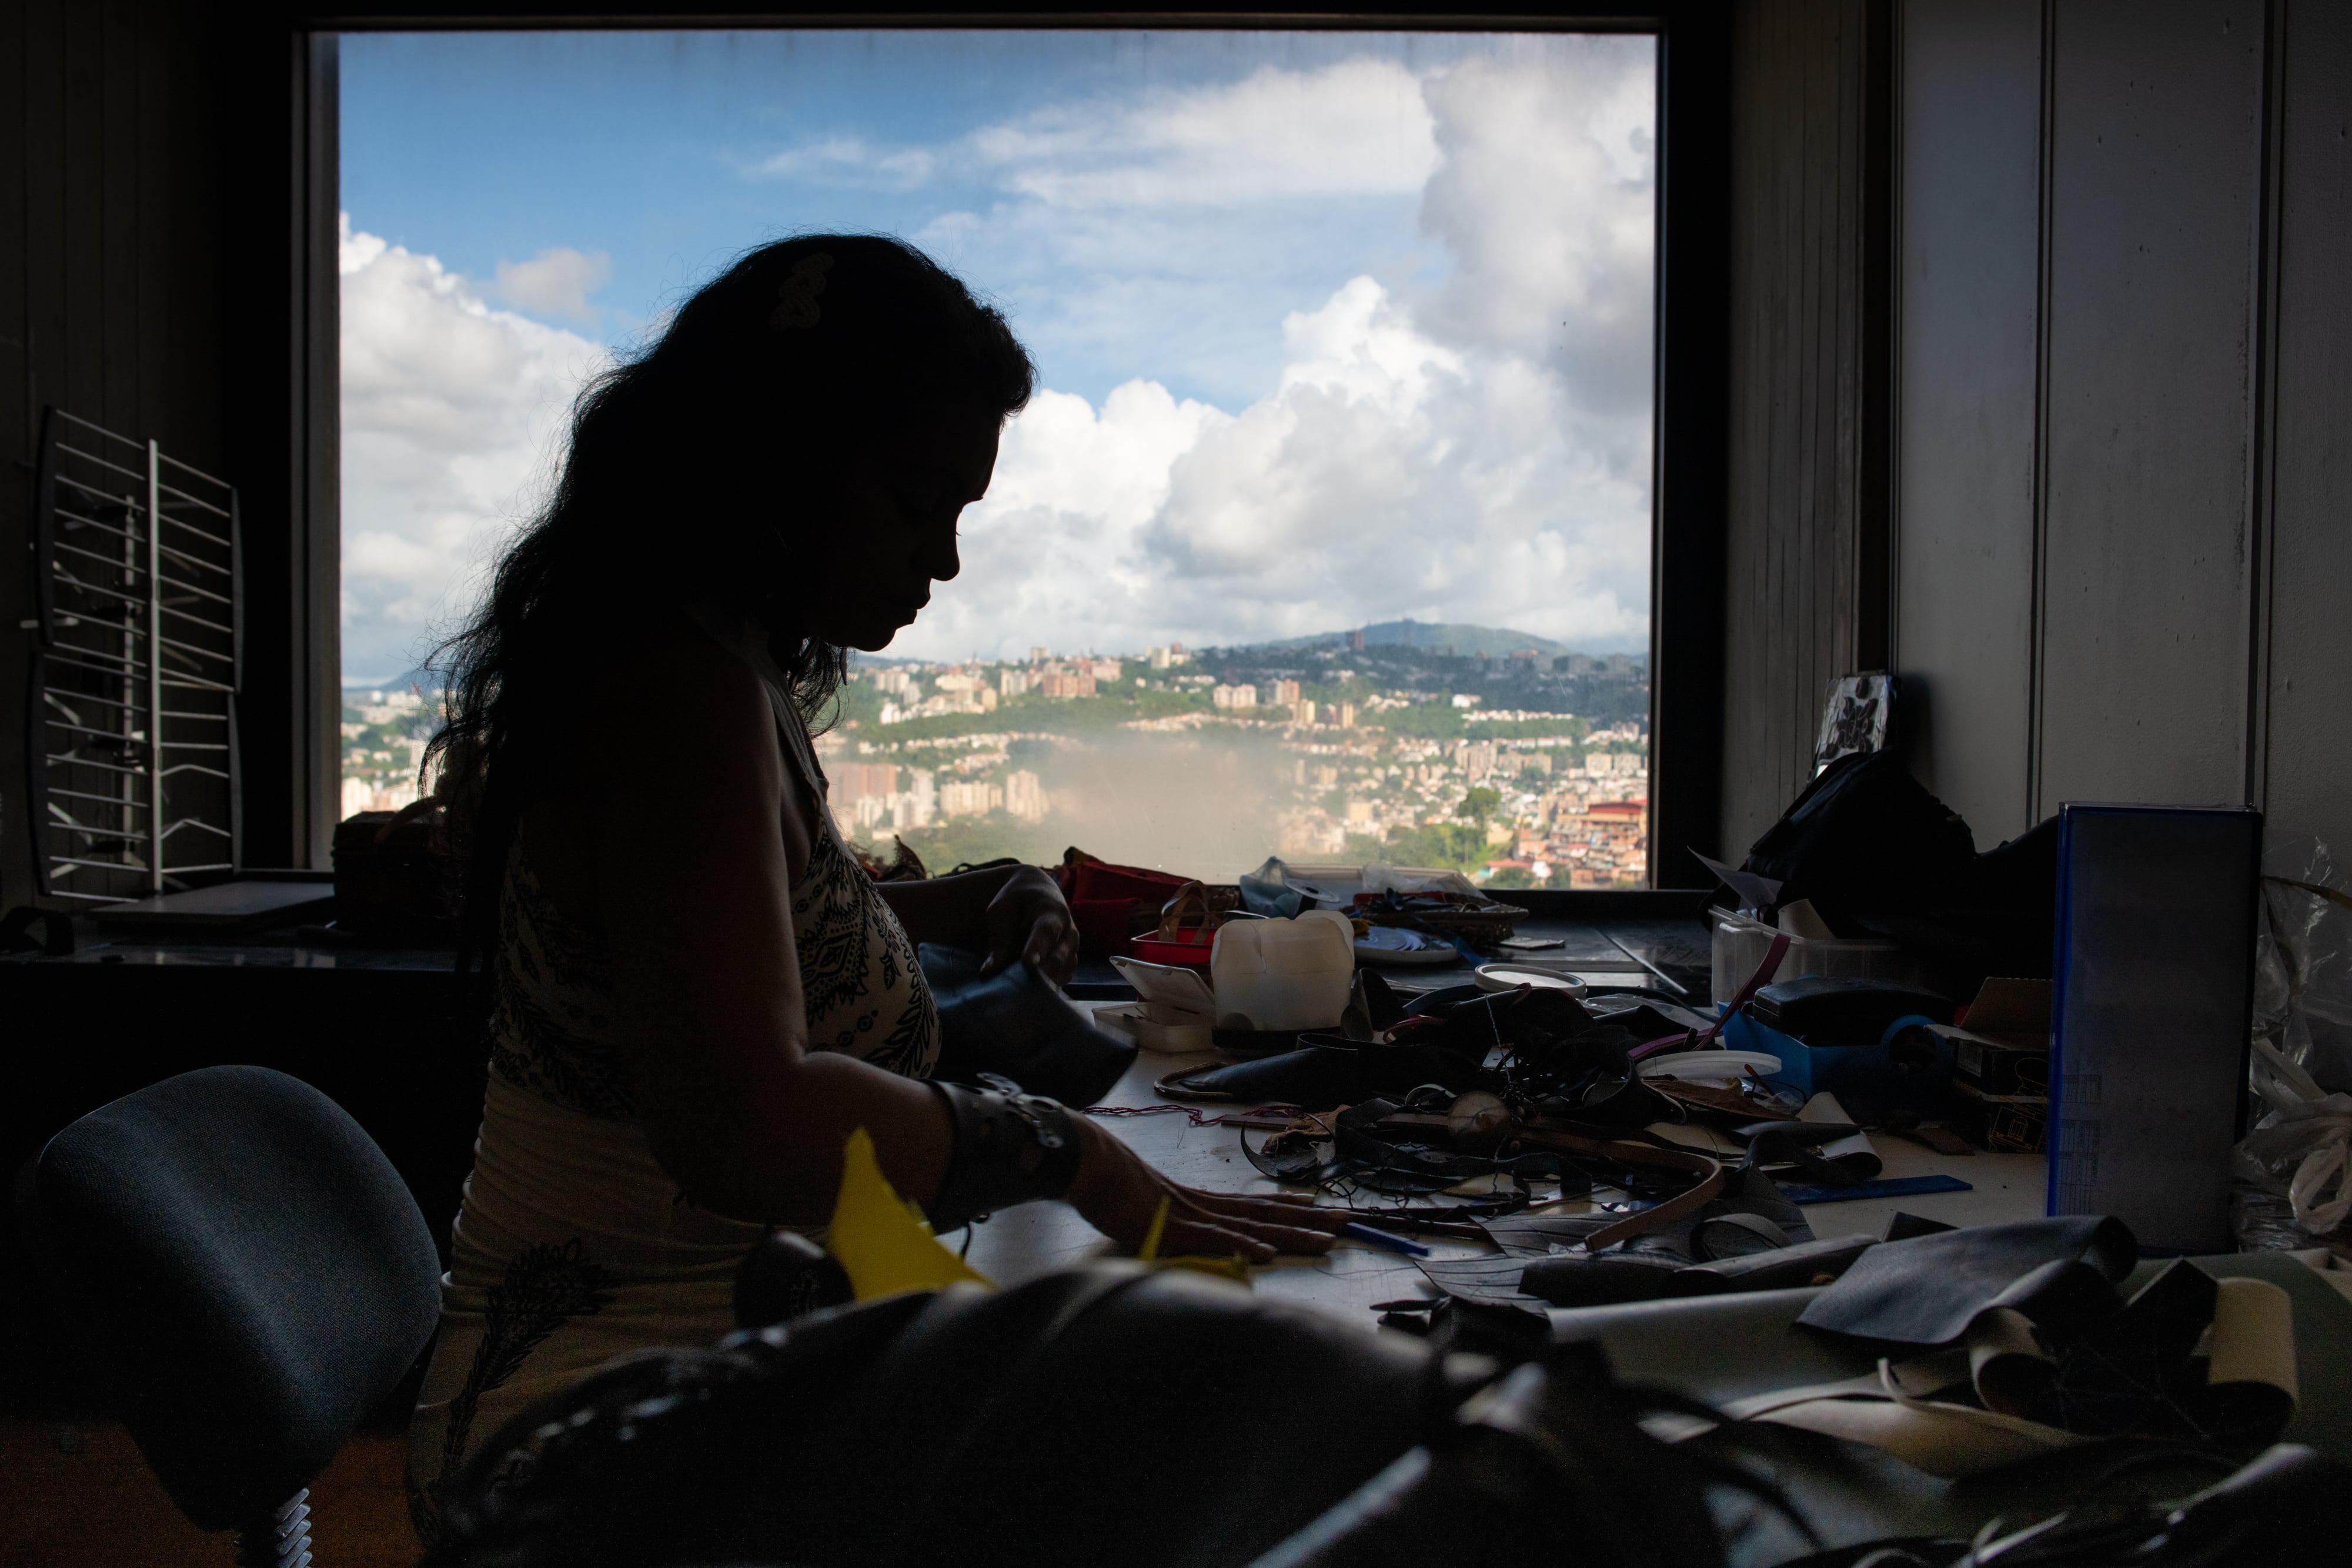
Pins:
x,y
1381,1239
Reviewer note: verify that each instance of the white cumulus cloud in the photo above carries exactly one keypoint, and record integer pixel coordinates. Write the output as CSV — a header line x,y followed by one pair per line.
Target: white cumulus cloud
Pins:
x,y
450,411
1476,450
556,282
1356,128
1389,475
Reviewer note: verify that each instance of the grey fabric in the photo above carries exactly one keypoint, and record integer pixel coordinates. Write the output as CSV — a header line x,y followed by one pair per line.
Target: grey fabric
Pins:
x,y
246,1270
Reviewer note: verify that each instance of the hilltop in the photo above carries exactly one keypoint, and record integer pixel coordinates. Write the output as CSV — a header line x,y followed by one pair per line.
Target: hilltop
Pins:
x,y
1462,638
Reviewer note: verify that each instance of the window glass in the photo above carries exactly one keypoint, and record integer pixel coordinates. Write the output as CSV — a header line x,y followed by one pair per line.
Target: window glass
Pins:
x,y
1328,533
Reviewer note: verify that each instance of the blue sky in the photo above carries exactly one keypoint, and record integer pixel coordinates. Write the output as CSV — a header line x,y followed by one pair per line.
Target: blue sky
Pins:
x,y
1294,296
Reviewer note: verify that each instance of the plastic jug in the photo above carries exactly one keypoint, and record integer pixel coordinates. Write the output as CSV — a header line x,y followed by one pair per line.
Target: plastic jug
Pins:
x,y
1283,974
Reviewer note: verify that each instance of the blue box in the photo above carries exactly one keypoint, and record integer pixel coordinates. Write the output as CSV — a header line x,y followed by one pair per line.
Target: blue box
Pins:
x,y
2151,1007
1911,1072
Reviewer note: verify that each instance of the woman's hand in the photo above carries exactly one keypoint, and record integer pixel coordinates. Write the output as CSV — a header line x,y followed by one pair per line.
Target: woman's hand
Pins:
x,y
1119,1194
1029,921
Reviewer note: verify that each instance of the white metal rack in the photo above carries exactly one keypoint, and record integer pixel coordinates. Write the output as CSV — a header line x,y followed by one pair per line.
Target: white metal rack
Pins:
x,y
132,746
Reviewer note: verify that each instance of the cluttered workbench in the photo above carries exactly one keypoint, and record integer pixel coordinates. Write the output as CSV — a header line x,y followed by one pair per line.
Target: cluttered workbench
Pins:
x,y
1192,1145
1746,1351
1668,959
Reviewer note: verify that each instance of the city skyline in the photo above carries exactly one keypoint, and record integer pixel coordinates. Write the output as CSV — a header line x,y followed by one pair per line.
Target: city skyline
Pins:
x,y
1522,769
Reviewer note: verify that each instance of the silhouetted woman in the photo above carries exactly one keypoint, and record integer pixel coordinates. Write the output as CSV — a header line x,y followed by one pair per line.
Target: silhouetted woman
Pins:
x,y
698,992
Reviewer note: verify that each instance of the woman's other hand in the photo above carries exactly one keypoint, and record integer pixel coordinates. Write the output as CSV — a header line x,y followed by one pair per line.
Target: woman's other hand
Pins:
x,y
1028,920
1119,1194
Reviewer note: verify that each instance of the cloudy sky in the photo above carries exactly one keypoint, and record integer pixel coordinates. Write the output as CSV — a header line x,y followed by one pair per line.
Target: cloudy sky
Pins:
x,y
1333,328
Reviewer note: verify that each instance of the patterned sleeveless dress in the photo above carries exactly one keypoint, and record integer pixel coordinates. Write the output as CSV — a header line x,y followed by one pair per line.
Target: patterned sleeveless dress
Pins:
x,y
573,1245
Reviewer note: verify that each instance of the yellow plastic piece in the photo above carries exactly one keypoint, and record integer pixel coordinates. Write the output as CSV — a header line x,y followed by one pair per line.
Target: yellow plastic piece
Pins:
x,y
882,1241
1234,1268
1149,1251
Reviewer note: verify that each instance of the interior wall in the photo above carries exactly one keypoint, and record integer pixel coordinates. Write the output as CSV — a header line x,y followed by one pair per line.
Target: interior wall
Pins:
x,y
159,277
2121,440
111,264
1807,515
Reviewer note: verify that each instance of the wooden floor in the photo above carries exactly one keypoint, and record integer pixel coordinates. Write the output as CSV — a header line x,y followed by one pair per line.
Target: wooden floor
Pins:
x,y
75,1493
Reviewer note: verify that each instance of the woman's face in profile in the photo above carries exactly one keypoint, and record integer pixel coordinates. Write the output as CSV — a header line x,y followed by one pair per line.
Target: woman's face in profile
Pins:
x,y
892,528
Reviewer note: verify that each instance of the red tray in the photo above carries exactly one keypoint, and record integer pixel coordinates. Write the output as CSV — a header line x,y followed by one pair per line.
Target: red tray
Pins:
x,y
1153,950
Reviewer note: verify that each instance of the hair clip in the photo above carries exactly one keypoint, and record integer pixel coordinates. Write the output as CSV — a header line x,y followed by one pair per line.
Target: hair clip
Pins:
x,y
796,308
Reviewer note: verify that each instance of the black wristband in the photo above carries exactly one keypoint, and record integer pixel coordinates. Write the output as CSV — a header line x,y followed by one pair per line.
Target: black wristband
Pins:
x,y
1010,1147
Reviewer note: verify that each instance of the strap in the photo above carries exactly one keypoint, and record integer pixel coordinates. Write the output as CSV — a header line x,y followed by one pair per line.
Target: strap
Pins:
x,y
1010,1147
1703,1191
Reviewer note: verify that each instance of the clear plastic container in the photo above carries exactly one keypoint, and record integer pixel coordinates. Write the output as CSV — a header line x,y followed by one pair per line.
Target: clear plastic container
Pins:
x,y
1741,945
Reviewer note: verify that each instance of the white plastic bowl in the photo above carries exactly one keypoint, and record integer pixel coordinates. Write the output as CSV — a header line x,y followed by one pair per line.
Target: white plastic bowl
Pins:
x,y
1723,1064
1511,976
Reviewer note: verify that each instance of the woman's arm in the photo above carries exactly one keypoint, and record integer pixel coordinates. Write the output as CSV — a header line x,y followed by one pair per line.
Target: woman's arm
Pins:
x,y
695,893
694,887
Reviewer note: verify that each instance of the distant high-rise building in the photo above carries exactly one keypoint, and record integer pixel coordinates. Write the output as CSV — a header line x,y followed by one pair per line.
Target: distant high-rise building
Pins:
x,y
1023,796
1157,658
1356,640
1347,716
1039,655
1282,692
1302,709
1011,683
961,799
1621,663
1233,696
861,780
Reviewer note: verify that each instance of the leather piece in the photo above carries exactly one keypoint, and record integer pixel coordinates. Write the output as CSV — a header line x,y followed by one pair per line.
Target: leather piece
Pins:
x,y
1591,1279
1017,1025
1927,1291
1323,1076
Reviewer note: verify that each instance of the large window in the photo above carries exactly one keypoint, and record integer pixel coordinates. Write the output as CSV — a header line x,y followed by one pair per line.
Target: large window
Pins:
x,y
1329,535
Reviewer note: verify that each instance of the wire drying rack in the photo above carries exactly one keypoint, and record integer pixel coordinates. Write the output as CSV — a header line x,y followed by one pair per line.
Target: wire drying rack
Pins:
x,y
132,753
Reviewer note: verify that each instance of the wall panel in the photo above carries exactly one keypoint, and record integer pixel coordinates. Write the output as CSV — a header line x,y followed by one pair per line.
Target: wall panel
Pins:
x,y
1967,319
2148,549
2308,775
2194,461
1798,608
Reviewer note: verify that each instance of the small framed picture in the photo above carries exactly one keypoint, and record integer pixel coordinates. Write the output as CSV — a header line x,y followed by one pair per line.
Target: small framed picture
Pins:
x,y
1858,716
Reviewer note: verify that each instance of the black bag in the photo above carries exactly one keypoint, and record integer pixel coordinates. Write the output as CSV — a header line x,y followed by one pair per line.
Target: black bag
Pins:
x,y
1865,838
1016,1024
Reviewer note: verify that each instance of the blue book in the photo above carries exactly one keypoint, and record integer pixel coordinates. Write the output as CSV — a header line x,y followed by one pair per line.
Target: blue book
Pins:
x,y
2151,1003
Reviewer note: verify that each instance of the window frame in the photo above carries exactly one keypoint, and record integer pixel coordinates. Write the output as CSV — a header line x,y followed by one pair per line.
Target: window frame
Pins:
x,y
1690,372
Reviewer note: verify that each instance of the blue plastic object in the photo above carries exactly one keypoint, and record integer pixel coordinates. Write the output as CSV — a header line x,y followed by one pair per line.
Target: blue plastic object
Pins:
x,y
1867,1080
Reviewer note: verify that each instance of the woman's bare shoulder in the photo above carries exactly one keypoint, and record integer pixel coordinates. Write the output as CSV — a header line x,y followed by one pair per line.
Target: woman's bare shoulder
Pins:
x,y
691,700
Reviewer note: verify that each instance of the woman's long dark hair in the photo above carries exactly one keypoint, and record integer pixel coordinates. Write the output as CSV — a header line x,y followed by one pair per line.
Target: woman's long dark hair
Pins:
x,y
670,491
